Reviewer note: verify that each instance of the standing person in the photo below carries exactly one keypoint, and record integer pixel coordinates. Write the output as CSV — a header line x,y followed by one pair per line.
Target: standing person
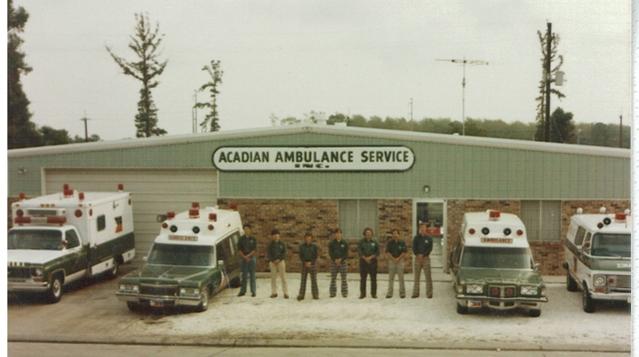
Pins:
x,y
308,255
276,255
368,249
395,252
422,246
248,249
338,252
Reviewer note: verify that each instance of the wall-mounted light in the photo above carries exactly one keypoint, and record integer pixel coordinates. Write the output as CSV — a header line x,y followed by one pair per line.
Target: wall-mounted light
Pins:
x,y
22,171
426,189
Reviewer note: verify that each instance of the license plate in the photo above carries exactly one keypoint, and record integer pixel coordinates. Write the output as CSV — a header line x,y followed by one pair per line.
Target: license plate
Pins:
x,y
155,303
474,304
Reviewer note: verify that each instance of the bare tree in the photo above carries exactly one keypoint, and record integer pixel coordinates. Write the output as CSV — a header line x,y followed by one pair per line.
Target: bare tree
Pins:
x,y
211,121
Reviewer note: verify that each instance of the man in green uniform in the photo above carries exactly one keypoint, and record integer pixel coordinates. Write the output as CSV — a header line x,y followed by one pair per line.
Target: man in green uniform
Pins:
x,y
248,249
338,252
368,249
308,255
396,252
422,246
276,256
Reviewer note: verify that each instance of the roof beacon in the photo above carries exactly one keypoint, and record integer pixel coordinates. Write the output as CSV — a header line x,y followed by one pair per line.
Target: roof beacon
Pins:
x,y
494,215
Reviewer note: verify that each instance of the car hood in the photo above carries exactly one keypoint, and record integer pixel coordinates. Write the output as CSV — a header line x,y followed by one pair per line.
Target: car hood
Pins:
x,y
32,257
171,273
499,276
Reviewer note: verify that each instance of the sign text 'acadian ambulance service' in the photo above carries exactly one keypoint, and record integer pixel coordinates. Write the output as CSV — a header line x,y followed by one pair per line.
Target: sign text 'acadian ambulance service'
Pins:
x,y
314,158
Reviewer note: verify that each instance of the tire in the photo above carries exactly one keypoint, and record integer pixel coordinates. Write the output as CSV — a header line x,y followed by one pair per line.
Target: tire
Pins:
x,y
462,310
115,269
133,306
571,284
534,313
55,291
587,303
204,304
235,282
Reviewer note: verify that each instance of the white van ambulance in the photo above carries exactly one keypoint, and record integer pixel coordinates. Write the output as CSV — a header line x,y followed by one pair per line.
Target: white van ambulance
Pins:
x,y
62,237
493,265
597,251
194,257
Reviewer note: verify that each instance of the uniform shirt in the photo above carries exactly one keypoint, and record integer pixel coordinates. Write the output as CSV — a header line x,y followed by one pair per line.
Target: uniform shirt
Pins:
x,y
276,250
368,247
247,244
422,245
308,252
338,249
396,248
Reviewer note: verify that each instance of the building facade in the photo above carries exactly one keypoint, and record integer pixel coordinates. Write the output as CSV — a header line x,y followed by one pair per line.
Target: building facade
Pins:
x,y
318,178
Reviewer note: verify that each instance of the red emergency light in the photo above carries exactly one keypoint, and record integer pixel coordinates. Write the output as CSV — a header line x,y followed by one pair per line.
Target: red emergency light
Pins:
x,y
120,187
471,231
19,213
194,213
520,232
78,213
170,215
494,215
22,220
620,217
22,196
213,217
211,227
56,220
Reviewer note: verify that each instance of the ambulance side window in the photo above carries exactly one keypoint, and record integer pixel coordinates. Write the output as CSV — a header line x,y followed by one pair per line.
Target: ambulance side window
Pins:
x,y
579,238
72,239
101,223
234,240
221,249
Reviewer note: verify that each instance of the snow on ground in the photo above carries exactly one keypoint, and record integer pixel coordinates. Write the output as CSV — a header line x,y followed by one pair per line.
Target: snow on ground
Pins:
x,y
422,320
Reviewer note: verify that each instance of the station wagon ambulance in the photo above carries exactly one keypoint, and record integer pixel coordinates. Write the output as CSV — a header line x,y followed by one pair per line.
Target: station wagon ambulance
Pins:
x,y
597,251
194,257
59,238
493,266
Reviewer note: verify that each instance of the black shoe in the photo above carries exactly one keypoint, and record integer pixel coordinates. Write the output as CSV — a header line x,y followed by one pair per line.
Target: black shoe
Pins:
x,y
415,296
430,296
389,296
300,298
241,294
362,296
374,296
333,295
285,296
344,296
273,296
315,297
252,294
402,296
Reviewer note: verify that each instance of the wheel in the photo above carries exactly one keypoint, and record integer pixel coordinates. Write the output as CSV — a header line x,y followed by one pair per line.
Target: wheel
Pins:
x,y
115,269
55,291
235,282
462,309
587,303
133,306
571,284
534,313
204,303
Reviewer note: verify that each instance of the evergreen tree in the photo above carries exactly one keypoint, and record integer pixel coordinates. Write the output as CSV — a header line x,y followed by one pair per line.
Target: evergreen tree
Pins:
x,y
562,128
145,43
211,121
21,131
541,99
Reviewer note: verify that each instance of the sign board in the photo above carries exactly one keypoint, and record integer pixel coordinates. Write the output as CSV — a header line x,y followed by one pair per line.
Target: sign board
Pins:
x,y
313,158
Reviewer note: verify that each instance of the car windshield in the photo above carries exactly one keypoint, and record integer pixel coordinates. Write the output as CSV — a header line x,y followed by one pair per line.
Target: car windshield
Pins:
x,y
500,258
174,254
611,245
38,239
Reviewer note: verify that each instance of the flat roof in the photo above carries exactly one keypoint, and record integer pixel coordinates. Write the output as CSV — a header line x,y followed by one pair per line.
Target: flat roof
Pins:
x,y
323,129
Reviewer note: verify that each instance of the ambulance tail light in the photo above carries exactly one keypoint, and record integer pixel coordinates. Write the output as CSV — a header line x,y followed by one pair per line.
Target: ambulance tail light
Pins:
x,y
57,220
120,187
170,215
494,215
471,231
211,227
620,217
19,213
22,220
22,196
520,232
78,213
213,217
194,213
81,196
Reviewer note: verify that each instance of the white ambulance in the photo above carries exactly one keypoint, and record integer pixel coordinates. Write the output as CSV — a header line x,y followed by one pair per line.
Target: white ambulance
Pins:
x,y
62,237
597,251
194,256
493,265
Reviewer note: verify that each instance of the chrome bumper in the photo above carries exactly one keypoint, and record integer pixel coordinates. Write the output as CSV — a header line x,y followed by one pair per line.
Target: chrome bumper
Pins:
x,y
502,303
164,300
27,286
611,296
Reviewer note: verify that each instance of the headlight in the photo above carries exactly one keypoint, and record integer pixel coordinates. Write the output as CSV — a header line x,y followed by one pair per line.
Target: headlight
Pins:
x,y
460,288
189,291
474,288
529,290
599,281
129,287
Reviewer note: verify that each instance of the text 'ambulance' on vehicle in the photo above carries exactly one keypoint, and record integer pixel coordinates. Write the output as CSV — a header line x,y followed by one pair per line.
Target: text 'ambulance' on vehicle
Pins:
x,y
194,256
597,251
493,265
62,237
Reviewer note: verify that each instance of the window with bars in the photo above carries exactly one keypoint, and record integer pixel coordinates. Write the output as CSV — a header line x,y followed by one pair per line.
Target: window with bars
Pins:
x,y
355,215
542,220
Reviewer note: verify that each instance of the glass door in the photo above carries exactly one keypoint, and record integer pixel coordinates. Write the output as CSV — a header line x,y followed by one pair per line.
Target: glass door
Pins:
x,y
433,213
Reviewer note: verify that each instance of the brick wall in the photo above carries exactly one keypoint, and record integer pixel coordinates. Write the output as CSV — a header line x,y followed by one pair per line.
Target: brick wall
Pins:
x,y
393,214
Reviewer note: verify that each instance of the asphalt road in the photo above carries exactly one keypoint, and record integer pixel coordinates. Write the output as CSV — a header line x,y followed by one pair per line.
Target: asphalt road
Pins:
x,y
90,313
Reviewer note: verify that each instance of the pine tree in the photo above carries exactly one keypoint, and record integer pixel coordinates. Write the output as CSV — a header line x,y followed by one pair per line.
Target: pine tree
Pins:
x,y
211,121
541,99
145,43
21,131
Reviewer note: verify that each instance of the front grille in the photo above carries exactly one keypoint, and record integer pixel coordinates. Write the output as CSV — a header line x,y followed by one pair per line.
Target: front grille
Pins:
x,y
494,291
509,292
19,273
164,290
623,281
502,291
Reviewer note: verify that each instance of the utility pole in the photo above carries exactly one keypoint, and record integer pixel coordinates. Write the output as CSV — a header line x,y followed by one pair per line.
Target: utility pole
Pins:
x,y
464,62
411,109
86,130
194,113
620,130
549,40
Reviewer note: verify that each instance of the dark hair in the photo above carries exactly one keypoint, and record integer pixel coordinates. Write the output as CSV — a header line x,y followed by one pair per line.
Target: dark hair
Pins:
x,y
367,229
246,225
337,230
308,234
274,232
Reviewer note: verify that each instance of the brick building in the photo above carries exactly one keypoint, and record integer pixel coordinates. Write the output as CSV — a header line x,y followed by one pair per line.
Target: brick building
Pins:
x,y
316,178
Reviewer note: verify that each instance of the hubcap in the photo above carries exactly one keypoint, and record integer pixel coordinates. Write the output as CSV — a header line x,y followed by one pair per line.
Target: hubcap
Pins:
x,y
56,287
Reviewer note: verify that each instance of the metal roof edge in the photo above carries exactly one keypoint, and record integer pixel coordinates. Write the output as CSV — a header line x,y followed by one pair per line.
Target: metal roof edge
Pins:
x,y
325,129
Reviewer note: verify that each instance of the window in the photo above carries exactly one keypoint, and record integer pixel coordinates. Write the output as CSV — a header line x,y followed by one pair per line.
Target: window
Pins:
x,y
579,238
355,215
221,249
542,220
72,239
101,223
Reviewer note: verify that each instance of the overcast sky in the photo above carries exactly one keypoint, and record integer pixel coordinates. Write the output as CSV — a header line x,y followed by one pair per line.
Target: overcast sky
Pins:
x,y
291,57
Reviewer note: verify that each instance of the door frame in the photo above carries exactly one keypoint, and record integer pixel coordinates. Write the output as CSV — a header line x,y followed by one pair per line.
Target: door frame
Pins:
x,y
444,224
